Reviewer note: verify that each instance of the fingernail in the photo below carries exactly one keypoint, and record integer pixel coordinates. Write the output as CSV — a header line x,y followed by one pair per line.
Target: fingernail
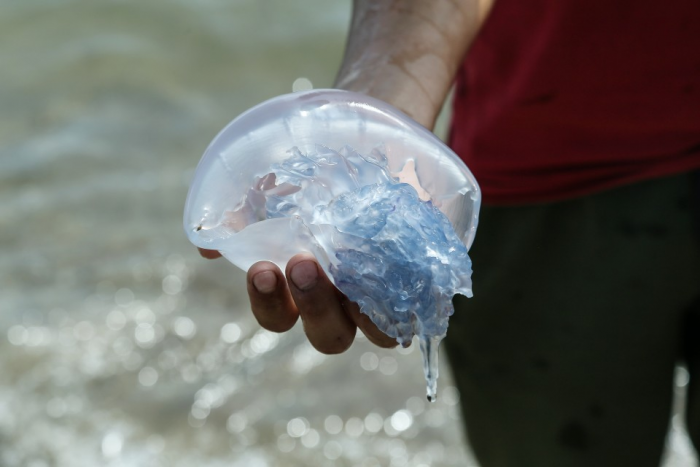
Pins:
x,y
265,282
305,275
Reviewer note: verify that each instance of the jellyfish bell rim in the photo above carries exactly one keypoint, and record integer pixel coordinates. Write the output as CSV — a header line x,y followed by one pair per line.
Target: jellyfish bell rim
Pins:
x,y
324,116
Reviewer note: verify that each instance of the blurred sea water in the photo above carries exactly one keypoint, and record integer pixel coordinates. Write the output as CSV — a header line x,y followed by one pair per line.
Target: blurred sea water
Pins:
x,y
119,345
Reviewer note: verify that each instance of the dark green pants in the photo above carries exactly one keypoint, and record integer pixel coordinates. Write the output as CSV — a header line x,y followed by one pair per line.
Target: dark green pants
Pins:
x,y
581,310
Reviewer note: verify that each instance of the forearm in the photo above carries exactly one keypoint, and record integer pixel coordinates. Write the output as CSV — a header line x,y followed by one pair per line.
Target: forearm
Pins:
x,y
407,52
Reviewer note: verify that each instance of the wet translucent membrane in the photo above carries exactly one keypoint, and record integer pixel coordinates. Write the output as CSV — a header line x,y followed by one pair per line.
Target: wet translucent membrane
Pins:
x,y
388,210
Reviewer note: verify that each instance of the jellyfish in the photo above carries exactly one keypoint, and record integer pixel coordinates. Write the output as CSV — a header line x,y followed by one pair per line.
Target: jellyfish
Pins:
x,y
387,209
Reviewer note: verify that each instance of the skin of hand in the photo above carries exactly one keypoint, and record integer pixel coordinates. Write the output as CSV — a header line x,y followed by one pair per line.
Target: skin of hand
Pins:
x,y
406,53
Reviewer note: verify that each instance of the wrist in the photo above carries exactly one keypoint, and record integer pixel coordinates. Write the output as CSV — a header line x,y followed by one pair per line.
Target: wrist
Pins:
x,y
394,88
406,52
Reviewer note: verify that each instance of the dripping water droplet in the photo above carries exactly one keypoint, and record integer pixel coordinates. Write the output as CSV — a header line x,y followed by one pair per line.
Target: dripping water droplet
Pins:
x,y
429,348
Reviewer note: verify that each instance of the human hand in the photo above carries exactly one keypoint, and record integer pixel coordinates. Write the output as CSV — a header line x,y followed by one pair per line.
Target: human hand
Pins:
x,y
330,319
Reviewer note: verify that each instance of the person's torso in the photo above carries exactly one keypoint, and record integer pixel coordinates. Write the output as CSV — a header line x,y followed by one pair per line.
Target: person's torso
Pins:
x,y
559,98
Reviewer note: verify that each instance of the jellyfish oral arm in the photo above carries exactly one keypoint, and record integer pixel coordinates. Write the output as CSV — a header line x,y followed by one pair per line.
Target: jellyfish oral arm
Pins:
x,y
407,52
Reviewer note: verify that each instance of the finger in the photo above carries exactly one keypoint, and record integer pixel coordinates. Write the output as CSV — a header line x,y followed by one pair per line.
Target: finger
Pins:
x,y
368,328
209,254
329,329
270,300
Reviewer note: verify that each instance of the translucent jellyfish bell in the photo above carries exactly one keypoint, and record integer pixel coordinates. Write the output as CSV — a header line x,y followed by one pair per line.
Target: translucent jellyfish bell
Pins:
x,y
388,210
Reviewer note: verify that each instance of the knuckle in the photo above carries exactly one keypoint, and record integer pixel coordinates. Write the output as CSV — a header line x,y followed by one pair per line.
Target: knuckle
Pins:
x,y
273,317
335,346
382,341
388,343
277,326
312,312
